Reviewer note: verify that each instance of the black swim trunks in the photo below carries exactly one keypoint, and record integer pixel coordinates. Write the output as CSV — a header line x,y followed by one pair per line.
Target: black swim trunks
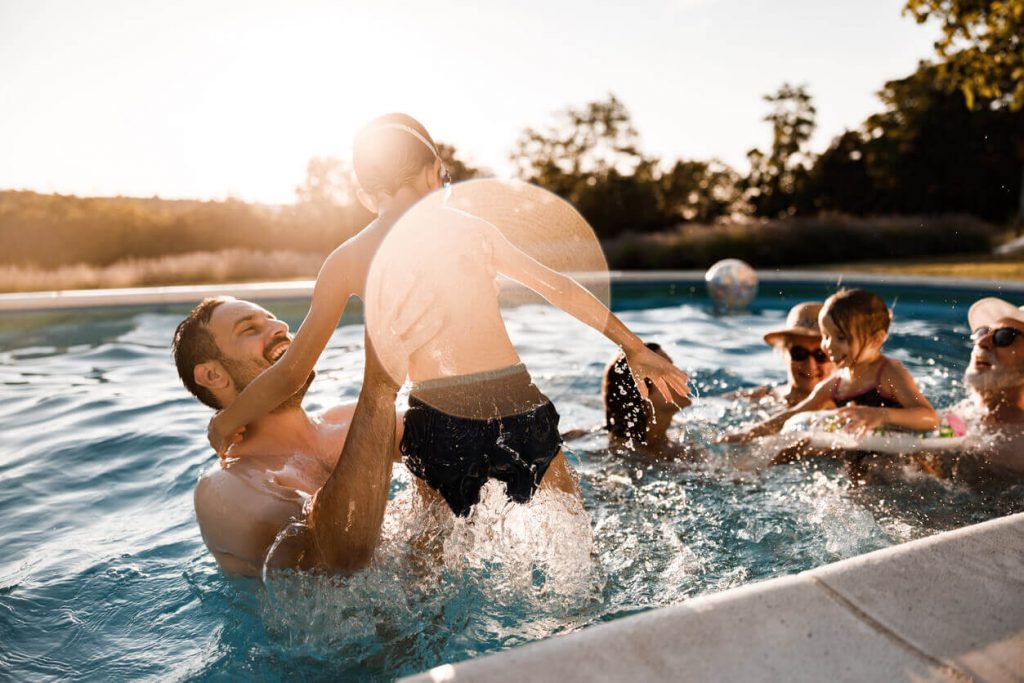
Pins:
x,y
462,431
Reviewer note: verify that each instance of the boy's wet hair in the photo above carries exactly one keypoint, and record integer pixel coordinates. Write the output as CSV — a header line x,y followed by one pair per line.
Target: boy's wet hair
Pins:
x,y
625,411
386,157
193,344
857,313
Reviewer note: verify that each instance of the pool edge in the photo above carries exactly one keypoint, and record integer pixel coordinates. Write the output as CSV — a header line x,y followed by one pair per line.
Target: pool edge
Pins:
x,y
938,608
24,302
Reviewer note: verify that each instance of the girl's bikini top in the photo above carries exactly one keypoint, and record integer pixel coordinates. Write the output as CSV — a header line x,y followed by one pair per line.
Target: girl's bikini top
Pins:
x,y
871,397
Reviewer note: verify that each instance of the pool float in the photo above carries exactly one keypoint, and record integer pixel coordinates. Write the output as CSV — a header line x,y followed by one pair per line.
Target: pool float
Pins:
x,y
824,430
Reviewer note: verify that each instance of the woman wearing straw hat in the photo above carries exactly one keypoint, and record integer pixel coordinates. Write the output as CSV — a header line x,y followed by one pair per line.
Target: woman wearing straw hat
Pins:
x,y
807,363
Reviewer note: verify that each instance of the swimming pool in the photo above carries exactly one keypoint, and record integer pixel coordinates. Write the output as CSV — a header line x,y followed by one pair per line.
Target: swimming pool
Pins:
x,y
105,576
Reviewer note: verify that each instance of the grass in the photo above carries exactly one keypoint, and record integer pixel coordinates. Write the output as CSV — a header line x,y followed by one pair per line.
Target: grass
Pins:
x,y
231,265
969,266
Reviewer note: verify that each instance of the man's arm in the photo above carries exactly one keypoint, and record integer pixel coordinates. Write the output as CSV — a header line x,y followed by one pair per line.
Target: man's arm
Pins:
x,y
348,511
274,385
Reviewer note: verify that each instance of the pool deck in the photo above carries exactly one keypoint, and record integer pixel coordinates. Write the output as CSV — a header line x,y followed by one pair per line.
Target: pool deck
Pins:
x,y
945,608
299,289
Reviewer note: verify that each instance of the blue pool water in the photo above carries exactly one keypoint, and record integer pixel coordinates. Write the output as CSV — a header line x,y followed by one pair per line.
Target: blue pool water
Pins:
x,y
103,574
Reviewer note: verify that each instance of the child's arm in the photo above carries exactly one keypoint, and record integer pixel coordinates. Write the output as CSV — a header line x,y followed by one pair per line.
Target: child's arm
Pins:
x,y
819,399
274,385
567,294
916,414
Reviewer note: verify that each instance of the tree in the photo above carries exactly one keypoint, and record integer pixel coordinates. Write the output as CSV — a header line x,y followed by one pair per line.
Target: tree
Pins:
x,y
457,168
775,178
699,191
591,157
981,47
982,53
328,181
925,153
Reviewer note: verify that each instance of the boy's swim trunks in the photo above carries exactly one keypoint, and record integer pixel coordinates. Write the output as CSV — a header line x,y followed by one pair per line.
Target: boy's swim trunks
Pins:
x,y
461,431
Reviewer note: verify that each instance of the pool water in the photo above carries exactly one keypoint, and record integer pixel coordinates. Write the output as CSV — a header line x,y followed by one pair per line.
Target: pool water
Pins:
x,y
103,574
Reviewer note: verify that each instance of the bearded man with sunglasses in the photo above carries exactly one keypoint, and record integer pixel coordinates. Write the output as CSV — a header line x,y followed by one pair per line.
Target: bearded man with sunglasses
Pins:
x,y
995,380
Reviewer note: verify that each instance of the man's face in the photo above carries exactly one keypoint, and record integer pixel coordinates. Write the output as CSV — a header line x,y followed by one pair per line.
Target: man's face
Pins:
x,y
250,340
994,367
808,364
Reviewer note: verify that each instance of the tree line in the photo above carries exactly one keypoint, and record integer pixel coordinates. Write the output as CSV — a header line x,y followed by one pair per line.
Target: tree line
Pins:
x,y
949,139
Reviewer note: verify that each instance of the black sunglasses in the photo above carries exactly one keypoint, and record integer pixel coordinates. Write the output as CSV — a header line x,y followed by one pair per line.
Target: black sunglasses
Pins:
x,y
800,354
1001,337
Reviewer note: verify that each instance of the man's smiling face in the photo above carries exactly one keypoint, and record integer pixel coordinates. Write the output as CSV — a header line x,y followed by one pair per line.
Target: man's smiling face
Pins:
x,y
995,364
250,340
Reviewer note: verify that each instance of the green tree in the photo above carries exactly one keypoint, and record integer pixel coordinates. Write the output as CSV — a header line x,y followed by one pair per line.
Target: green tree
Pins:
x,y
981,47
776,177
982,53
699,191
925,153
591,157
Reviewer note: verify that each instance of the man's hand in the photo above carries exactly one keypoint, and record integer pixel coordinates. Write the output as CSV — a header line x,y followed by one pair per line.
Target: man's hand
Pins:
x,y
669,380
861,420
221,440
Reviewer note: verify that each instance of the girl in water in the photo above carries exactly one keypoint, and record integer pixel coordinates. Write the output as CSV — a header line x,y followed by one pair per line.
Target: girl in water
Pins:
x,y
870,389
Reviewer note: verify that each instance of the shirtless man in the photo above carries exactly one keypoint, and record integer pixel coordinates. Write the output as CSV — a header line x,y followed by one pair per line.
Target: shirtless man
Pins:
x,y
995,379
267,480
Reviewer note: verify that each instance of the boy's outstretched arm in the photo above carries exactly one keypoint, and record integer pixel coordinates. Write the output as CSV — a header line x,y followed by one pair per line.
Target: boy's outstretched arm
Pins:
x,y
282,379
567,294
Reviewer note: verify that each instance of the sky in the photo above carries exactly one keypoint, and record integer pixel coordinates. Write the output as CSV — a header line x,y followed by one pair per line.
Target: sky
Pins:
x,y
228,98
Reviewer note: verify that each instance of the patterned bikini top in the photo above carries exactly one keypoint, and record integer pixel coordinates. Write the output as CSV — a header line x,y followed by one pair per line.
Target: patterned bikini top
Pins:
x,y
871,397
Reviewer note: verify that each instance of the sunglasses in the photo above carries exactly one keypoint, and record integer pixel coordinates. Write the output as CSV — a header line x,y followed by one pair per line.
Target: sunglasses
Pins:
x,y
1001,337
800,354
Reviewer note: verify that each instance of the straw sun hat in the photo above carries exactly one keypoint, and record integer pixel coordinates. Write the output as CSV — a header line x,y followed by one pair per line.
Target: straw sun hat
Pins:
x,y
802,321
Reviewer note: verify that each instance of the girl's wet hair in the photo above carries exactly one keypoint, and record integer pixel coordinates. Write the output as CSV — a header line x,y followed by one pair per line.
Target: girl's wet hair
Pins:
x,y
857,313
386,156
625,411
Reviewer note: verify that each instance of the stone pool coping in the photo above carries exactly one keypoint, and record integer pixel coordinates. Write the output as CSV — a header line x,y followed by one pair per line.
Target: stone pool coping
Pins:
x,y
949,607
298,289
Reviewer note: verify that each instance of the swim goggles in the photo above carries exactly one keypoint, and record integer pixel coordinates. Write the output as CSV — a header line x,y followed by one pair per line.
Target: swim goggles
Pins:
x,y
1001,337
799,354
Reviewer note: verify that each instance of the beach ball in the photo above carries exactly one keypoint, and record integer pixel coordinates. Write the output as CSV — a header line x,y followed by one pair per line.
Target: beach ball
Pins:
x,y
732,284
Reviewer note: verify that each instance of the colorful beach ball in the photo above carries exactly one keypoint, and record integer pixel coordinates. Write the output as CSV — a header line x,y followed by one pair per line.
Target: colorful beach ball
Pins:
x,y
732,284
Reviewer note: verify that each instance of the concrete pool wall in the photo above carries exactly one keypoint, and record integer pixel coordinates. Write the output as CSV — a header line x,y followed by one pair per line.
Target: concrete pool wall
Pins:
x,y
300,289
947,607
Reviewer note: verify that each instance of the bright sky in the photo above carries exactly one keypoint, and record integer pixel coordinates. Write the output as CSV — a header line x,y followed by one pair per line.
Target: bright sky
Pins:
x,y
205,99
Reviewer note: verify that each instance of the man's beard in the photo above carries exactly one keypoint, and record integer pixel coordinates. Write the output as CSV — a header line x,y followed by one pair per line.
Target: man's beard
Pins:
x,y
993,380
244,372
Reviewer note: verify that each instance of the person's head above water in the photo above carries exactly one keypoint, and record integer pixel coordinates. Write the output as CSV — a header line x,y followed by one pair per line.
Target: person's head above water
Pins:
x,y
223,344
854,325
393,154
626,415
996,370
800,339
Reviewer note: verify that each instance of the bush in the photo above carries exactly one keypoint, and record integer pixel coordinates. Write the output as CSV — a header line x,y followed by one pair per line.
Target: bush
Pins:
x,y
802,241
